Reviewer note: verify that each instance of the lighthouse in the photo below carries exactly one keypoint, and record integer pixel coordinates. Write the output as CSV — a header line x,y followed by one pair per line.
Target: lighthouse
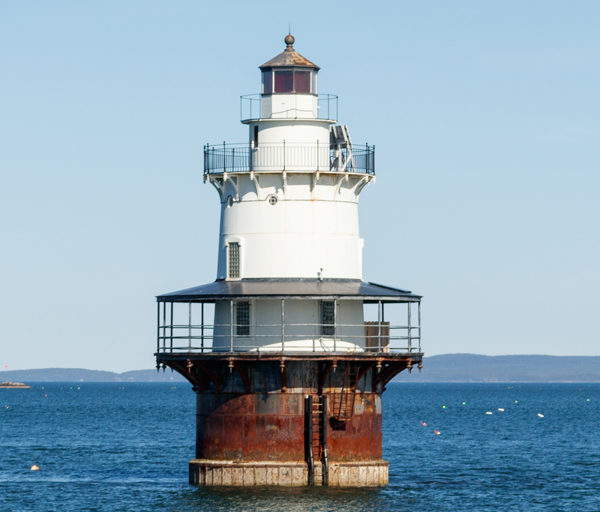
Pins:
x,y
289,350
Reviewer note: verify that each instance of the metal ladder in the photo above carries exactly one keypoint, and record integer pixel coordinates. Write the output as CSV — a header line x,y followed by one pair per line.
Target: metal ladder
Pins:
x,y
343,402
316,437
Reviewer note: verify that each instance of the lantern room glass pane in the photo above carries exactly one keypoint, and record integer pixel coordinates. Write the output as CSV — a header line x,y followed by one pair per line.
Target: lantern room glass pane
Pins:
x,y
302,81
267,80
284,81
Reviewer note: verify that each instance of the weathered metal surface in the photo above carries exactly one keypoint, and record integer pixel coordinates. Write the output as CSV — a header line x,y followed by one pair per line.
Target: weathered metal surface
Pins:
x,y
271,427
289,57
251,412
238,432
245,372
258,420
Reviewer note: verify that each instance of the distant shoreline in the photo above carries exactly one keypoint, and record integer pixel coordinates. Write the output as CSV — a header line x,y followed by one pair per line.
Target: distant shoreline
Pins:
x,y
447,368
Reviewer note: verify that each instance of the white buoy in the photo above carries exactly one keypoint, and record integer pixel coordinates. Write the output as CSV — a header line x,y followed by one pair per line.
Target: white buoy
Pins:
x,y
500,409
488,412
540,415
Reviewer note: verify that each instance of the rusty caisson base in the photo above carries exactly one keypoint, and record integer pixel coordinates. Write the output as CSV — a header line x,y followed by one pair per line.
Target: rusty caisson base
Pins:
x,y
289,421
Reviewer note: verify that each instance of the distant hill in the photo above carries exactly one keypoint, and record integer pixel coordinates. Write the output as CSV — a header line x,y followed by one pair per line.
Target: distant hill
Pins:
x,y
82,375
443,368
515,368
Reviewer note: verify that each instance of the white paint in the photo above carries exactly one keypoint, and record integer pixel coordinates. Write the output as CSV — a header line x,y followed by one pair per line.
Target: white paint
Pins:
x,y
302,329
310,232
289,106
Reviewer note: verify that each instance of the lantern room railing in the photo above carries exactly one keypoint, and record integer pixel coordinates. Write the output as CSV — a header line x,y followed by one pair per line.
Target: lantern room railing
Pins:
x,y
317,157
251,106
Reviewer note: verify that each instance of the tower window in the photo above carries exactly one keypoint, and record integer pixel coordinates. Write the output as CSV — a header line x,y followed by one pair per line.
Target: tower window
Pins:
x,y
242,318
255,135
327,318
233,249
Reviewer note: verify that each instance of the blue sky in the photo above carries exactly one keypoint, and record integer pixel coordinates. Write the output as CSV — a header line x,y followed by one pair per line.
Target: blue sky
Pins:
x,y
485,116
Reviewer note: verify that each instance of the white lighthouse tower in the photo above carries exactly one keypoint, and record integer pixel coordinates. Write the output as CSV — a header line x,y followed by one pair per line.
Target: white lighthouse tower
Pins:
x,y
289,301
293,213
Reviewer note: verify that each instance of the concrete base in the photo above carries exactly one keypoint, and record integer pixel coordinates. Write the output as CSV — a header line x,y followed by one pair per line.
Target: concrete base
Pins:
x,y
286,474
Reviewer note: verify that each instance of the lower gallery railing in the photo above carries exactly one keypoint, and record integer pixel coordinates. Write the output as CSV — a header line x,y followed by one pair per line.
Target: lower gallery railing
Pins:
x,y
289,337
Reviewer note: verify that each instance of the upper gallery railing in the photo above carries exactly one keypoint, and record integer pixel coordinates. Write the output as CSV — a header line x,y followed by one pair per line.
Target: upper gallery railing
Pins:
x,y
251,107
317,157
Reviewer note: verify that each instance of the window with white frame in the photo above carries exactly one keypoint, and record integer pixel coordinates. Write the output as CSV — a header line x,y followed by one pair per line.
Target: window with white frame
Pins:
x,y
242,318
233,260
327,318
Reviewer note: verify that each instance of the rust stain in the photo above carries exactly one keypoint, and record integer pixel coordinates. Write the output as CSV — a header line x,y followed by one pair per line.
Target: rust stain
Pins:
x,y
237,430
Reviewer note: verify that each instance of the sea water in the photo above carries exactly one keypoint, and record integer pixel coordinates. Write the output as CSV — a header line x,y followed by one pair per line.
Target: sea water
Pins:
x,y
125,446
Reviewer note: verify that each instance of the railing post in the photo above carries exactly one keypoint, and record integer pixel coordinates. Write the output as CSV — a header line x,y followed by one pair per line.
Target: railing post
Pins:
x,y
164,326
250,155
284,155
378,326
318,155
189,326
373,160
202,328
224,158
157,327
171,330
419,320
409,328
282,325
233,159
231,326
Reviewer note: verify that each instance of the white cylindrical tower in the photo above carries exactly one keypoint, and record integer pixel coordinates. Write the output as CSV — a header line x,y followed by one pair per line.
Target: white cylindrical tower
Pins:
x,y
289,199
288,209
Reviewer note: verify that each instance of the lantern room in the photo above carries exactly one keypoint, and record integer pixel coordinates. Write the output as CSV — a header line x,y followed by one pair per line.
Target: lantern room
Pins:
x,y
288,90
289,73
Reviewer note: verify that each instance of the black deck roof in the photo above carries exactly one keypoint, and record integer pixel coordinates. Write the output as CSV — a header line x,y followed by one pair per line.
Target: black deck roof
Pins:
x,y
290,288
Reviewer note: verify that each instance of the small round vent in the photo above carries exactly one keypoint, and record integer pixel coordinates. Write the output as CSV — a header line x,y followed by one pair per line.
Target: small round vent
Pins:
x,y
272,199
